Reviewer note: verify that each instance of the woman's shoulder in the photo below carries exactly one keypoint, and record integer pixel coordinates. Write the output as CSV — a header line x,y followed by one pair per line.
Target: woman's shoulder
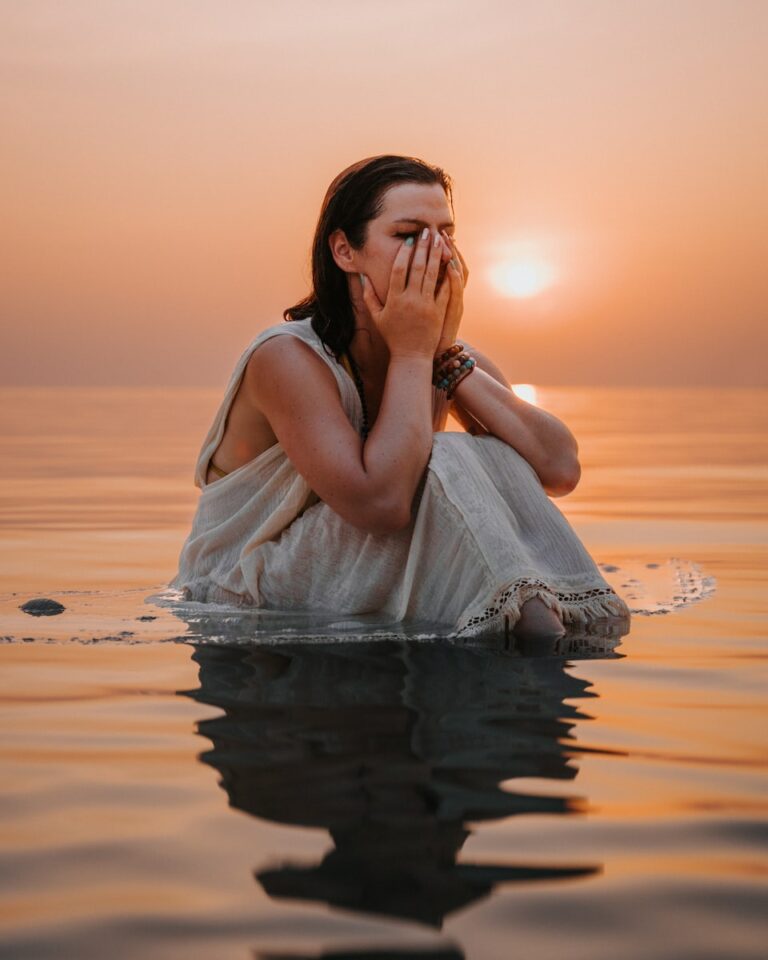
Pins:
x,y
280,346
298,328
284,335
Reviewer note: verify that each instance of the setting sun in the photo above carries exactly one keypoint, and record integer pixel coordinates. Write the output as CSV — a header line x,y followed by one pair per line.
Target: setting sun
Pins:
x,y
521,277
526,391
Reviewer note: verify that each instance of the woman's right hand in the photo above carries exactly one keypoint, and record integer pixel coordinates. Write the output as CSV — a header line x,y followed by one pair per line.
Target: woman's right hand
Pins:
x,y
411,320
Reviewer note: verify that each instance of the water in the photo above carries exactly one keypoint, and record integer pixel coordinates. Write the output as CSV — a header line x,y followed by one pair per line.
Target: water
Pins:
x,y
169,789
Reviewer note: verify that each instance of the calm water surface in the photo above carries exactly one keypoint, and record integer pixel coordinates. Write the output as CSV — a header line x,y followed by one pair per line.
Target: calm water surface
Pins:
x,y
167,794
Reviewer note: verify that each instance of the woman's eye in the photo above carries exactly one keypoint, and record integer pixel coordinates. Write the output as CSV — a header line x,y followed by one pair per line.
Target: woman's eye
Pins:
x,y
417,233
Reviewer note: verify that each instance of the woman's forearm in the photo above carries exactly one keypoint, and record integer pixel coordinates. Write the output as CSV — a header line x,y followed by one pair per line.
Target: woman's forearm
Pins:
x,y
399,445
539,437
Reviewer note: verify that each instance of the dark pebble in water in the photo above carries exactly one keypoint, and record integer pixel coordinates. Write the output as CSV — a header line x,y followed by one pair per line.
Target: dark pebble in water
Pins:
x,y
652,566
146,618
609,567
42,607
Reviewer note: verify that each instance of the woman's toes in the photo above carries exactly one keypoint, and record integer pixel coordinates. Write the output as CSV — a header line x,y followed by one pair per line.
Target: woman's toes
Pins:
x,y
537,620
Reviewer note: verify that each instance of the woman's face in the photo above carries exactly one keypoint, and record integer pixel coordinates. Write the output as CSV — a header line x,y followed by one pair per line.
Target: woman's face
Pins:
x,y
407,208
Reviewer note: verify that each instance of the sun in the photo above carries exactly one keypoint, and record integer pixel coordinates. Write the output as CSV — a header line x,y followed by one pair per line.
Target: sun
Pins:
x,y
521,277
526,391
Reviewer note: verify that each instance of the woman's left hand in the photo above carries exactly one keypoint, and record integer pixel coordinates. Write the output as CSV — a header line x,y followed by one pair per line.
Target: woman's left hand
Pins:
x,y
456,303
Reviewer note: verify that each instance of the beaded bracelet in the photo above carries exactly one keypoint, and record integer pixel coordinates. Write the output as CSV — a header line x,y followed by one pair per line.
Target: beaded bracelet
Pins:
x,y
451,367
460,375
455,363
448,377
449,354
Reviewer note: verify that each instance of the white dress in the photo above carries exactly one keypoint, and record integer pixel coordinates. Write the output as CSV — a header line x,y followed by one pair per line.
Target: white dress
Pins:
x,y
484,536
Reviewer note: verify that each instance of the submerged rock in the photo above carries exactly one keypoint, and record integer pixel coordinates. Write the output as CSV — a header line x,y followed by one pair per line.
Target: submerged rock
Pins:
x,y
42,607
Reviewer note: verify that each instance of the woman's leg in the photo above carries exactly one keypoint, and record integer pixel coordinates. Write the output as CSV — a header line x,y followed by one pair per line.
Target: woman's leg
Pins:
x,y
538,622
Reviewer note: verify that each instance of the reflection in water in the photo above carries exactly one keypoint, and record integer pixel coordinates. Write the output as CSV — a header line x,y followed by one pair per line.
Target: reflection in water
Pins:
x,y
448,953
394,747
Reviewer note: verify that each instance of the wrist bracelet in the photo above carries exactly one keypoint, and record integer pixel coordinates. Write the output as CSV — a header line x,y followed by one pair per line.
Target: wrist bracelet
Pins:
x,y
453,363
450,374
448,354
461,375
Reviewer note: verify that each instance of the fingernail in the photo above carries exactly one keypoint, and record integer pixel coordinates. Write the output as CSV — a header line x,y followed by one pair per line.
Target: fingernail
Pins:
x,y
425,233
437,239
362,278
409,242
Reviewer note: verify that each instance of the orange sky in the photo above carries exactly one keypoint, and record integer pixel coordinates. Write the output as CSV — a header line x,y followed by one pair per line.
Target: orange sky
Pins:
x,y
162,165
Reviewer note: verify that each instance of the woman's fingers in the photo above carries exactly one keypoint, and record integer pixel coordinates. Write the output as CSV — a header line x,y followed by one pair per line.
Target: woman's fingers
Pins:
x,y
462,263
434,260
399,275
370,299
419,262
445,291
456,287
425,266
465,269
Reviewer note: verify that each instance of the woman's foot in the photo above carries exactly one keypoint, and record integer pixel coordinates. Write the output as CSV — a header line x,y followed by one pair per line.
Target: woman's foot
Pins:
x,y
538,622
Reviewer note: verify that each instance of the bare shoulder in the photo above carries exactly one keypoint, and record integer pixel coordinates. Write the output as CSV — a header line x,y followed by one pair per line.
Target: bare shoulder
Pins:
x,y
298,393
286,365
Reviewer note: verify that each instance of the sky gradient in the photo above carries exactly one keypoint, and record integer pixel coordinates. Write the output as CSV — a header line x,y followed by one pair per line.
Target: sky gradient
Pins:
x,y
162,167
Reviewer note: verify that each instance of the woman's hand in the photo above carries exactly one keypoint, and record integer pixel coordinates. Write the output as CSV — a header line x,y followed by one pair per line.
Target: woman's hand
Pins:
x,y
455,310
413,316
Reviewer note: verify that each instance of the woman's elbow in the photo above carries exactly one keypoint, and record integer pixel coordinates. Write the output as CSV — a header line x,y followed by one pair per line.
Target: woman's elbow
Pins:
x,y
379,518
563,479
385,525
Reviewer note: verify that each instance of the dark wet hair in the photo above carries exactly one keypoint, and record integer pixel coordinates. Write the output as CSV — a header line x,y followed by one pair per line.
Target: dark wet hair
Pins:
x,y
355,197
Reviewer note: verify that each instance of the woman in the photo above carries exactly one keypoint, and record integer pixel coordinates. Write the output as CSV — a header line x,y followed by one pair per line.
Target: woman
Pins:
x,y
328,483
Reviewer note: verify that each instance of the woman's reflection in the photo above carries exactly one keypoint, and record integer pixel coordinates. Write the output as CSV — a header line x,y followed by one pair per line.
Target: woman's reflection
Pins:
x,y
394,747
